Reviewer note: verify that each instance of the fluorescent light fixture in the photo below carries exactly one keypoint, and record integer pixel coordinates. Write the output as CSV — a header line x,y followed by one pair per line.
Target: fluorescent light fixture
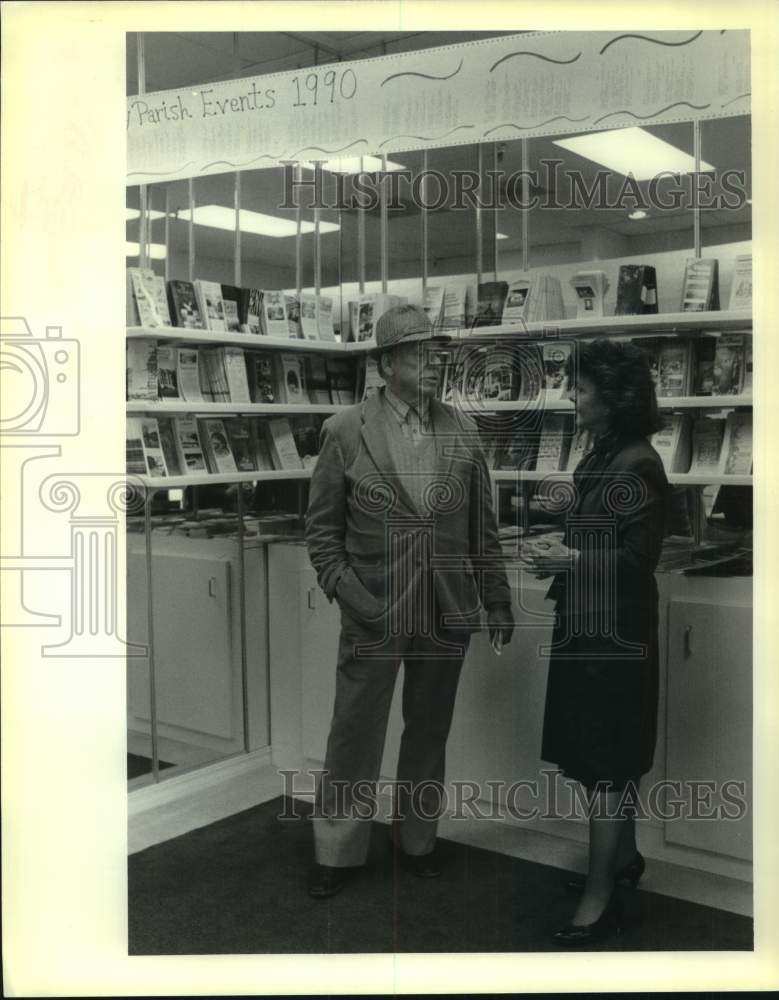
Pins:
x,y
351,165
501,236
134,213
156,251
632,151
222,217
638,214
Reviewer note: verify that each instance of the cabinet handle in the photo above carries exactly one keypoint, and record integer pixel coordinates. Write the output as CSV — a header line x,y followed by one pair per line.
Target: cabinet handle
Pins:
x,y
212,586
688,642
312,598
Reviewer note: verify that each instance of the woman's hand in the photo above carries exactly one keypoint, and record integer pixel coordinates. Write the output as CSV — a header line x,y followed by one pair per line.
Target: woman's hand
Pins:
x,y
546,558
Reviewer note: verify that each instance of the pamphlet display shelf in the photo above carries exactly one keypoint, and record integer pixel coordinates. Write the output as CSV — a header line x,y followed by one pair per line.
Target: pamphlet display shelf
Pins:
x,y
674,478
183,335
497,476
682,325
669,323
566,406
209,479
168,408
615,326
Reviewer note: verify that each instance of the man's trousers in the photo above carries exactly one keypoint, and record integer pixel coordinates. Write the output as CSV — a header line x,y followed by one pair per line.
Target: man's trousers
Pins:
x,y
366,673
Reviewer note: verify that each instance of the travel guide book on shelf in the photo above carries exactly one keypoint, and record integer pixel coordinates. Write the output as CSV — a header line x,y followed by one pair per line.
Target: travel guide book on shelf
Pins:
x,y
292,304
700,292
167,372
192,459
636,290
216,445
308,323
231,302
553,443
147,301
293,379
209,300
152,448
184,306
282,444
141,370
274,314
707,435
590,288
242,444
736,459
673,443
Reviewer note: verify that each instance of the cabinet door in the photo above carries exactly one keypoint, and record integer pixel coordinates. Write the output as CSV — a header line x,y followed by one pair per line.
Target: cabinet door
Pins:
x,y
197,672
709,720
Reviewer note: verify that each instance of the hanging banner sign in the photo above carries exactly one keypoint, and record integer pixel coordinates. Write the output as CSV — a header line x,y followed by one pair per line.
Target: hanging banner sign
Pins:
x,y
496,89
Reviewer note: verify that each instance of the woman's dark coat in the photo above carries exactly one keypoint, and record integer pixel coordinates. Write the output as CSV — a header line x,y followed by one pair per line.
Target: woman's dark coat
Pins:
x,y
600,722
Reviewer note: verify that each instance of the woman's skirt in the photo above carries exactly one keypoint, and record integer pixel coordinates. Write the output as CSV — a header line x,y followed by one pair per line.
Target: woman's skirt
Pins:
x,y
600,720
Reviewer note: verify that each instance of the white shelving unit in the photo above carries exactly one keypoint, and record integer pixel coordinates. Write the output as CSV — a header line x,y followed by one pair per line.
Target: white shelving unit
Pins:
x,y
565,406
687,324
182,335
210,479
497,476
616,326
675,478
170,408
605,326
623,327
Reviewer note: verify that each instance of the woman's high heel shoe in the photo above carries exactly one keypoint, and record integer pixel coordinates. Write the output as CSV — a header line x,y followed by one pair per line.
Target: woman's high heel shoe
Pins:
x,y
577,935
629,875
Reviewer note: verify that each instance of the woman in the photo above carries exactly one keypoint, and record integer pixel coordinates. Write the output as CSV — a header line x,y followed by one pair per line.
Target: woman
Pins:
x,y
600,720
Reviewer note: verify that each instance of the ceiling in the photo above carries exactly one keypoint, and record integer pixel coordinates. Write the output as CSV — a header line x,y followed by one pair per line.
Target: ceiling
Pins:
x,y
174,60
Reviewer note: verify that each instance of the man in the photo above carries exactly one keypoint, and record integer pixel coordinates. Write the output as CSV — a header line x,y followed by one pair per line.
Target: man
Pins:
x,y
401,532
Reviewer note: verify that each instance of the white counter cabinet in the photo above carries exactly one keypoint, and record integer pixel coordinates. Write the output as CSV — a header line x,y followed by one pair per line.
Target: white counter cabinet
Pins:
x,y
709,721
704,727
197,646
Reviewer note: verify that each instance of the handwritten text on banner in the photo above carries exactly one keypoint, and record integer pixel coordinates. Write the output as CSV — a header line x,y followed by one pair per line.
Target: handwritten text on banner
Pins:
x,y
487,90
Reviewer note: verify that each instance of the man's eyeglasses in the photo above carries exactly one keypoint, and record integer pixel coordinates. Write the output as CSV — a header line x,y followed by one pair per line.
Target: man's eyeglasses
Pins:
x,y
433,355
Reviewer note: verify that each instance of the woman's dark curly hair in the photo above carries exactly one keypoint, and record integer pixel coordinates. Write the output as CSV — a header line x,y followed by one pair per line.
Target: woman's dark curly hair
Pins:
x,y
621,376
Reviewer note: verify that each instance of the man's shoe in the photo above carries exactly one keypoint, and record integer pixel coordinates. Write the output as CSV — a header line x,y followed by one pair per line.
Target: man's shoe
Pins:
x,y
324,881
421,865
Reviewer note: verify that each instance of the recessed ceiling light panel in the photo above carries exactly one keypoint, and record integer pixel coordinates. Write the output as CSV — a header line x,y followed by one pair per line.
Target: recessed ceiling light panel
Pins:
x,y
155,251
632,151
354,165
134,213
222,217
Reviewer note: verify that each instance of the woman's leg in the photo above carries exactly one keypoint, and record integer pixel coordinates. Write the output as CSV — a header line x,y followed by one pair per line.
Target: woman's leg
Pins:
x,y
626,849
607,829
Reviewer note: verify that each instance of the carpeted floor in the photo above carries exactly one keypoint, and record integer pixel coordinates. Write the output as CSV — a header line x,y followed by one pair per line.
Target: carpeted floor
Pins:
x,y
138,765
238,886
